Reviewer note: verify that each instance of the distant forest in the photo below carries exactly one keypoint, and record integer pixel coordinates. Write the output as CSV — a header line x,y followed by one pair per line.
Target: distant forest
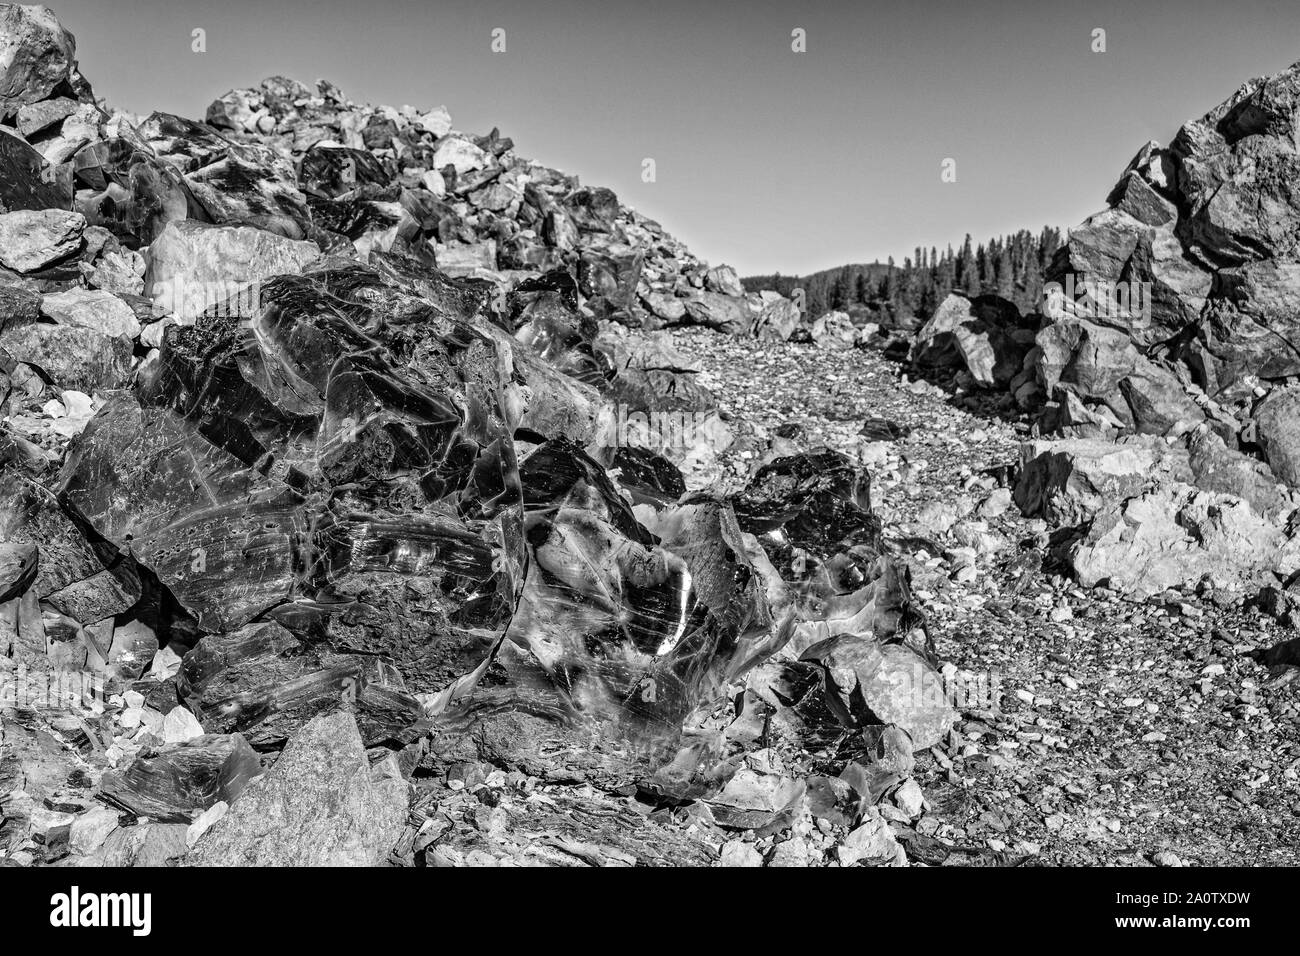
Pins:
x,y
1011,266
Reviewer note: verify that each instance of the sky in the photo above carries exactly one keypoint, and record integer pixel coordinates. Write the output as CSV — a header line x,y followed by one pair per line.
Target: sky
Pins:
x,y
765,158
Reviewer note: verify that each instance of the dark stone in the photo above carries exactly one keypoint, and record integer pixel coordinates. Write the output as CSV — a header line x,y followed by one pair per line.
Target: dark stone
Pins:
x,y
331,172
345,467
880,429
820,502
26,182
180,779
615,628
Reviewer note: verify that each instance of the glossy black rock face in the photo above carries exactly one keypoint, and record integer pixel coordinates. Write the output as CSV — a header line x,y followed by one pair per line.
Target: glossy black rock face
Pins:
x,y
331,490
338,171
618,626
341,464
24,179
609,283
543,313
818,504
811,515
180,780
647,477
232,183
328,493
264,683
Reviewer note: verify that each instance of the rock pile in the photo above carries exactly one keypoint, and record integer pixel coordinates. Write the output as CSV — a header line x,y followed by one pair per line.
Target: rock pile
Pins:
x,y
1171,321
1161,357
1168,310
326,437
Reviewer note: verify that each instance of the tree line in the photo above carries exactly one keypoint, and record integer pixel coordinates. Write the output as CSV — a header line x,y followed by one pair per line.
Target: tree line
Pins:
x,y
1009,266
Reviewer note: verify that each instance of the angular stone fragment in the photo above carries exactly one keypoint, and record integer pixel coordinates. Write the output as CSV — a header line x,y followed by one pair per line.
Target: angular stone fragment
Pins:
x,y
1167,290
133,648
18,307
1278,430
91,829
1216,467
144,845
264,683
1174,536
629,632
170,785
609,281
435,121
871,841
36,56
737,853
869,683
980,334
544,401
1135,196
1070,482
132,192
102,595
460,154
26,181
778,320
667,307
32,239
320,804
817,503
230,184
649,374
721,312
1098,248
834,330
31,522
72,356
724,279
101,312
18,563
35,117
467,259
215,531
592,209
194,266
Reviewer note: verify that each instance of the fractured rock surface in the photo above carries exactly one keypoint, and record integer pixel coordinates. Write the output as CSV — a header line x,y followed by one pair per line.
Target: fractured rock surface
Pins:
x,y
330,427
322,804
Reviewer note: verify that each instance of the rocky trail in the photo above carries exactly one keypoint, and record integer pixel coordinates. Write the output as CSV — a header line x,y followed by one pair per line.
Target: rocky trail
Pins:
x,y
1128,733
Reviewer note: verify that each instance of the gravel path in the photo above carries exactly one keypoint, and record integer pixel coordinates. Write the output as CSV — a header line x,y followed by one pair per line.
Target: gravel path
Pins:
x,y
1127,733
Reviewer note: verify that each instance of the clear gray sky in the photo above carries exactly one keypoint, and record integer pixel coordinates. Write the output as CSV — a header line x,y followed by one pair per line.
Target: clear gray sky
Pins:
x,y
767,159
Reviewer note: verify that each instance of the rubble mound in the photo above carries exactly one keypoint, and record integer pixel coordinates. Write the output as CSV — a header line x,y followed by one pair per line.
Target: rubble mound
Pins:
x,y
332,474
